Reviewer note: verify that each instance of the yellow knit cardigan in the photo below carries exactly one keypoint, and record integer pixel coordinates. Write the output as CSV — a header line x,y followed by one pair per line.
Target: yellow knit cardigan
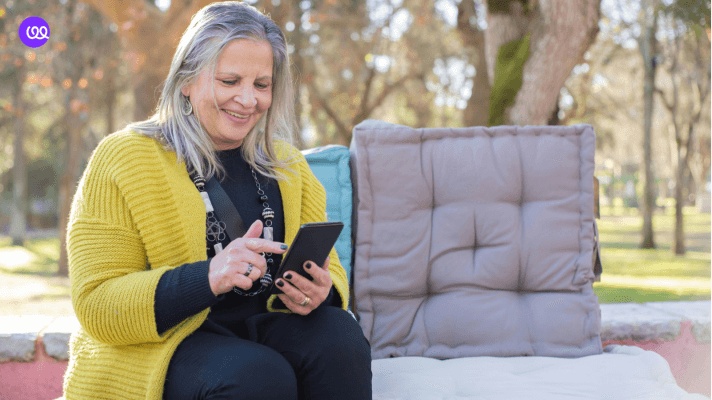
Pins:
x,y
136,214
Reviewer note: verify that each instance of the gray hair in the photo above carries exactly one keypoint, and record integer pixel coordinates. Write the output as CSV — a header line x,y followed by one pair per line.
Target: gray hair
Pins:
x,y
211,29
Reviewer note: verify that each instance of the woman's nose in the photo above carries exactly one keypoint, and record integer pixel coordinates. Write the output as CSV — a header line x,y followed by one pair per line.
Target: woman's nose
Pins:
x,y
246,97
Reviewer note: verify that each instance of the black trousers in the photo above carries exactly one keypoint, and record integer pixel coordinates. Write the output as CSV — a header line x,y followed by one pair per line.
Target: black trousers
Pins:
x,y
323,355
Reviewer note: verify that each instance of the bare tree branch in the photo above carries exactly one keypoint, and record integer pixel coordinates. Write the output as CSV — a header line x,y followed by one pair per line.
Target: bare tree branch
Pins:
x,y
366,112
667,104
367,92
340,124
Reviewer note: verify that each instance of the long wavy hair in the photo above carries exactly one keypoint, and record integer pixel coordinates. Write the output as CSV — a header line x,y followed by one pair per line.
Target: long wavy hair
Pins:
x,y
210,30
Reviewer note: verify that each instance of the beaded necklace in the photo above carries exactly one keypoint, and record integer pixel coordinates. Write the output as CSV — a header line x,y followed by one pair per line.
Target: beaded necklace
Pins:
x,y
215,229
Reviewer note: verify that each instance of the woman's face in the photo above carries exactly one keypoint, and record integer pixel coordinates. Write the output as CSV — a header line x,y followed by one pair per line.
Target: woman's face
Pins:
x,y
243,92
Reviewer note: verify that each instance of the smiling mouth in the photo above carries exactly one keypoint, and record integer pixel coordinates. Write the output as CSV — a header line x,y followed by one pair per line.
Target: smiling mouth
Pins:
x,y
236,114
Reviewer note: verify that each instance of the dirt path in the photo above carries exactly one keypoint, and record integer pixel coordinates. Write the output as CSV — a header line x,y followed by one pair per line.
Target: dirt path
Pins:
x,y
22,294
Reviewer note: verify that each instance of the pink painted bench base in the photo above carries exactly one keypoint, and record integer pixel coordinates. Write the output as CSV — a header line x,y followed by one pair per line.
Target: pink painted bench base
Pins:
x,y
40,379
689,360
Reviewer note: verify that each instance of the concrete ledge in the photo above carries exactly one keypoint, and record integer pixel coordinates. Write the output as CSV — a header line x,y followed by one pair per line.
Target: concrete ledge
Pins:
x,y
33,348
698,312
56,337
654,321
18,335
625,321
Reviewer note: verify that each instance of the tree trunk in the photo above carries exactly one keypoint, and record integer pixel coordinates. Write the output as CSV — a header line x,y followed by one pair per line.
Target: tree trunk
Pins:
x,y
560,33
679,242
648,51
298,69
69,178
72,125
683,155
477,110
18,218
150,38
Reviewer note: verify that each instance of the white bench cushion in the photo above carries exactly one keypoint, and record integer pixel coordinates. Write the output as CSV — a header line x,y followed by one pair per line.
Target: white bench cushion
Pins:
x,y
621,372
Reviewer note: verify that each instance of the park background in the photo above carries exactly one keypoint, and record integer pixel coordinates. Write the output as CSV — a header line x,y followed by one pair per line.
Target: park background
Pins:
x,y
637,70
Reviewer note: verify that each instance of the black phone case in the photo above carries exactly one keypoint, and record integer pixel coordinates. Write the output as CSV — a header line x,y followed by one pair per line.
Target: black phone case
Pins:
x,y
313,242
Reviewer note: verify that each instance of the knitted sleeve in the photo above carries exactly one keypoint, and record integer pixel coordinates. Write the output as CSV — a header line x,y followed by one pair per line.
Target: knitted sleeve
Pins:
x,y
112,286
182,292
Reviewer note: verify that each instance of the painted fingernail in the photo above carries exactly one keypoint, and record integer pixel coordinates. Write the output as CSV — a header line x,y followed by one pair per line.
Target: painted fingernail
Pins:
x,y
288,275
308,265
280,283
284,247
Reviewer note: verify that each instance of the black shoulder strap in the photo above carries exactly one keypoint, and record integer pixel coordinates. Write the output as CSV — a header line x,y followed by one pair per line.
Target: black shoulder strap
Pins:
x,y
225,210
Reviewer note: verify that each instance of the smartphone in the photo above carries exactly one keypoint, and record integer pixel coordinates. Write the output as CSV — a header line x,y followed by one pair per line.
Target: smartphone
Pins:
x,y
313,242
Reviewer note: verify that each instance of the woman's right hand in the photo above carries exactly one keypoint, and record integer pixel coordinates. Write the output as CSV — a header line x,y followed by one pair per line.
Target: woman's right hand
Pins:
x,y
227,268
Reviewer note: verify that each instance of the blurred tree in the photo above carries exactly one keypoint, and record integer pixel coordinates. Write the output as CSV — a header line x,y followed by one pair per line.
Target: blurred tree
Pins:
x,y
605,90
283,14
699,160
148,34
353,58
79,42
353,66
648,49
686,56
348,59
52,93
14,72
592,94
18,218
531,47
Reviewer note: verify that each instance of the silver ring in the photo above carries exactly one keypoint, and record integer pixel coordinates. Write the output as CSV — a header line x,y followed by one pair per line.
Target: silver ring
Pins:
x,y
305,302
249,269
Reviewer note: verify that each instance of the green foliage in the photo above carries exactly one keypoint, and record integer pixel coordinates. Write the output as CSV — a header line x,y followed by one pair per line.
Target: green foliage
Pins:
x,y
507,78
693,12
502,6
37,257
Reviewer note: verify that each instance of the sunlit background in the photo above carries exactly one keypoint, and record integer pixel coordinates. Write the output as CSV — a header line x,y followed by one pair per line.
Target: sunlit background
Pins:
x,y
422,63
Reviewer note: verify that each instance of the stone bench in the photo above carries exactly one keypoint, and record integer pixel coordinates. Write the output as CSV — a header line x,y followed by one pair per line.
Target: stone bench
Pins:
x,y
33,348
676,334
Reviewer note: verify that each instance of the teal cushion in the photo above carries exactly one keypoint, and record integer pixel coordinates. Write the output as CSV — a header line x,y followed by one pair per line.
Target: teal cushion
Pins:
x,y
330,165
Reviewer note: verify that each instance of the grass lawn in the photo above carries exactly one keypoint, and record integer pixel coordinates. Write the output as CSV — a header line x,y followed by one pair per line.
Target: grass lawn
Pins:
x,y
28,281
38,257
631,274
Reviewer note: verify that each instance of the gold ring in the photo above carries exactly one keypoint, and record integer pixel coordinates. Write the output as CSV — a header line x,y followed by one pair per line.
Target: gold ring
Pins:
x,y
305,302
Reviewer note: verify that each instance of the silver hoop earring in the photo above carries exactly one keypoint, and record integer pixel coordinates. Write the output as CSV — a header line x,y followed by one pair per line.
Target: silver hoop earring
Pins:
x,y
187,107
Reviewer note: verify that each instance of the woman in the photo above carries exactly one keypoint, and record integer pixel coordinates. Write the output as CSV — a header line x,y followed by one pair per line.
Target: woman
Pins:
x,y
160,316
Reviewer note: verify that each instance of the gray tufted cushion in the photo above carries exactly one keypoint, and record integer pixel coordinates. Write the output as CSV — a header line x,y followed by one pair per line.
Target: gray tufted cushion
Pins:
x,y
475,241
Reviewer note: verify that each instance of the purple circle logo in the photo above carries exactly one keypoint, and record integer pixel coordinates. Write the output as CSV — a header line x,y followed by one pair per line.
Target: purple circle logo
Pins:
x,y
34,31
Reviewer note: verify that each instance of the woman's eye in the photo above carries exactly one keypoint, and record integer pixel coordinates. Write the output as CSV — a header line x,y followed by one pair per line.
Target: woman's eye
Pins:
x,y
262,85
229,82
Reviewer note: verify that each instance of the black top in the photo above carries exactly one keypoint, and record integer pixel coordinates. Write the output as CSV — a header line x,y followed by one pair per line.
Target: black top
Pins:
x,y
185,290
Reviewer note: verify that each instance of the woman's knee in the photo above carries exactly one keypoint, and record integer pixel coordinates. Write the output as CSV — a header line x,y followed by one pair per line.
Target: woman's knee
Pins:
x,y
259,373
344,338
336,362
228,370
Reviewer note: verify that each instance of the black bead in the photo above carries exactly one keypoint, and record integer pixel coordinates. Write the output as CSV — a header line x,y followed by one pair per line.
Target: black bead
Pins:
x,y
270,261
263,197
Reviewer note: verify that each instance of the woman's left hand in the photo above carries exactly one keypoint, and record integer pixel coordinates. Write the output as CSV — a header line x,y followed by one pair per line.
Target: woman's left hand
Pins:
x,y
297,289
